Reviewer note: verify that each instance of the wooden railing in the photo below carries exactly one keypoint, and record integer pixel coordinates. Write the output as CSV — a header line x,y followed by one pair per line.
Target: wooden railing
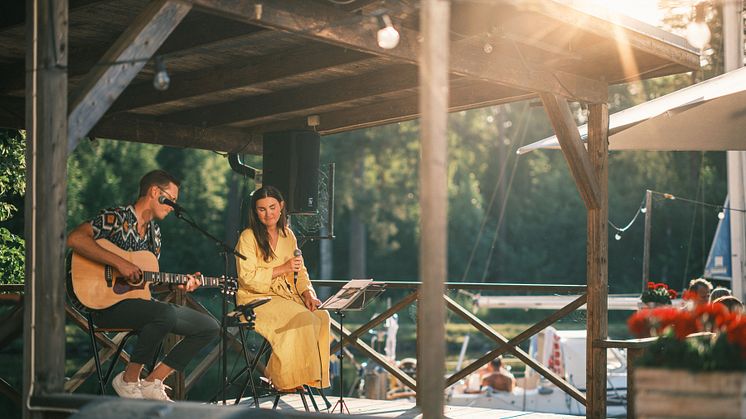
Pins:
x,y
347,337
503,344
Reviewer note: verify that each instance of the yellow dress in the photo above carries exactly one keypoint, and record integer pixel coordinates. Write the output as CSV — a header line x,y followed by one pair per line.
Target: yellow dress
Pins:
x,y
299,337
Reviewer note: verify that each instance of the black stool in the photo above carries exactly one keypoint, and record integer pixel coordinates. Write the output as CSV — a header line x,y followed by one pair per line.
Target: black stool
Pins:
x,y
243,318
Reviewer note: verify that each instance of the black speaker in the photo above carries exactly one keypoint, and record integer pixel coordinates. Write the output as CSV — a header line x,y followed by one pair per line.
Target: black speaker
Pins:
x,y
291,164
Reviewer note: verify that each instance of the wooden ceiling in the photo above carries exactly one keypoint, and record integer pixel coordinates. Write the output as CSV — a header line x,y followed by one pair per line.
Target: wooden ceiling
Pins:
x,y
242,68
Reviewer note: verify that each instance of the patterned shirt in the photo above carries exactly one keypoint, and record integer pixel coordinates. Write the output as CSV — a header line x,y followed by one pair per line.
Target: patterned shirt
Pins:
x,y
119,226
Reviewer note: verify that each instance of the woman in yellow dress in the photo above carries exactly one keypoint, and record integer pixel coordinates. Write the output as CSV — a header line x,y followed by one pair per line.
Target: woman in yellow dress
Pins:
x,y
297,331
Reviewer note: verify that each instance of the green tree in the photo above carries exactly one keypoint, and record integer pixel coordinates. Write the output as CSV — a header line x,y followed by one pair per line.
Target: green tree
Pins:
x,y
12,190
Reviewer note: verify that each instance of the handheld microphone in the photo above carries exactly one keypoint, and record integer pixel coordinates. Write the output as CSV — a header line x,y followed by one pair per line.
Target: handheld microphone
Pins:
x,y
296,253
165,201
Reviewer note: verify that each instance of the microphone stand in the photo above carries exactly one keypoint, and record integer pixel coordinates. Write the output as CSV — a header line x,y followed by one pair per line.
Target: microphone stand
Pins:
x,y
225,250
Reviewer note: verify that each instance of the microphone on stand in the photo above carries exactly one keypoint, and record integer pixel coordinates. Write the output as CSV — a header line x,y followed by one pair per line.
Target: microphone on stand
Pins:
x,y
296,253
165,201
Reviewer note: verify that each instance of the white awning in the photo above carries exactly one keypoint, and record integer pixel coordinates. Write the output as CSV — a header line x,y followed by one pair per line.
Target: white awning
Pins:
x,y
707,116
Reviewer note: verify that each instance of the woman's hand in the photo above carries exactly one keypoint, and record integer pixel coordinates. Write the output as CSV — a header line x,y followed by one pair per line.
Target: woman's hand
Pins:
x,y
310,300
294,264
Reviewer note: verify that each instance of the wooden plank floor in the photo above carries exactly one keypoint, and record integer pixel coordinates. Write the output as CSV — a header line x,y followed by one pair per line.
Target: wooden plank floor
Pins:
x,y
401,409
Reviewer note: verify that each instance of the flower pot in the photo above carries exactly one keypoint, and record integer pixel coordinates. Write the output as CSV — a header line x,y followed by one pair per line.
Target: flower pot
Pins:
x,y
685,394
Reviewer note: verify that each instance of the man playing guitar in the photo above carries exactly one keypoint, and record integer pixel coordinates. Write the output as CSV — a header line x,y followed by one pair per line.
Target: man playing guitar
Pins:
x,y
132,229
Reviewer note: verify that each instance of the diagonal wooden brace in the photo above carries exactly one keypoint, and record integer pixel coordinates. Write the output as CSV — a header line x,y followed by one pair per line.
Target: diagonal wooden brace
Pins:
x,y
572,147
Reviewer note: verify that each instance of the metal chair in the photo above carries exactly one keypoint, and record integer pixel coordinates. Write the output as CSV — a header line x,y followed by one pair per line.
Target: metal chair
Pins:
x,y
243,318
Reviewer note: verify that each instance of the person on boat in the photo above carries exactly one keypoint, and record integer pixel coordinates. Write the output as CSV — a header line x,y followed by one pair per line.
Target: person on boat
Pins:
x,y
497,377
701,288
132,228
298,332
719,292
733,304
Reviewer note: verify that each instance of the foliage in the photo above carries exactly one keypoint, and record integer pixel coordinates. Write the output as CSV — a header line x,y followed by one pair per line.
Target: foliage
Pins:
x,y
698,337
658,293
12,188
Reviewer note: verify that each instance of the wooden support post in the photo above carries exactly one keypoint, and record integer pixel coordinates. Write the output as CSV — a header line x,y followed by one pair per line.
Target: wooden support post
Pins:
x,y
568,136
101,87
597,262
434,23
46,199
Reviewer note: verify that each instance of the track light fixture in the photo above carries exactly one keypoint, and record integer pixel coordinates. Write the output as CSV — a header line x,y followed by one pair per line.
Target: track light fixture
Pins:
x,y
161,80
388,36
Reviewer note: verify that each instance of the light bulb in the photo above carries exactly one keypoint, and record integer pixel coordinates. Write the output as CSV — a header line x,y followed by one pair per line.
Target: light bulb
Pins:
x,y
161,80
698,34
387,37
721,215
617,236
697,31
643,210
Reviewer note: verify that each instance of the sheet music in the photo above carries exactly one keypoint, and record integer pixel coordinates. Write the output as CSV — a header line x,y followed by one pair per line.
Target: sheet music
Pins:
x,y
346,295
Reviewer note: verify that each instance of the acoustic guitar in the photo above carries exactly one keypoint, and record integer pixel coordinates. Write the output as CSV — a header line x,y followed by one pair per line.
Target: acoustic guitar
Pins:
x,y
99,286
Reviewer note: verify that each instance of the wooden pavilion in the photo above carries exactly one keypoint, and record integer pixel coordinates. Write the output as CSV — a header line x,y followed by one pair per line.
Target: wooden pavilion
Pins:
x,y
240,68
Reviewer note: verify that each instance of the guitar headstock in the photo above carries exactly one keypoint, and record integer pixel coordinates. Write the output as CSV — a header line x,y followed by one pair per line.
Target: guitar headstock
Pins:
x,y
228,285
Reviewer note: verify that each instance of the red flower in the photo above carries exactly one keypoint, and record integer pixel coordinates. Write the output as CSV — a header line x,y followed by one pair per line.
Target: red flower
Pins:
x,y
672,293
690,296
651,285
661,285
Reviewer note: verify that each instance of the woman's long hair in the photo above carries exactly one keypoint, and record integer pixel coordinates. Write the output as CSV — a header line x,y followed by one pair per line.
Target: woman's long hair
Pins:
x,y
259,229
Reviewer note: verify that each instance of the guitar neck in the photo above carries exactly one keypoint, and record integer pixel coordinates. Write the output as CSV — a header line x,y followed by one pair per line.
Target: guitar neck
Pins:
x,y
169,278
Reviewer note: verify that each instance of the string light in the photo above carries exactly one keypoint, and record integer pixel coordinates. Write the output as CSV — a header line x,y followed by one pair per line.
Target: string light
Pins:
x,y
161,80
642,210
697,32
388,36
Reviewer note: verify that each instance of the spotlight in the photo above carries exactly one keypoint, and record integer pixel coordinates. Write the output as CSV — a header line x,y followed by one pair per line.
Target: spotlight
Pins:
x,y
721,215
697,31
161,80
617,236
387,37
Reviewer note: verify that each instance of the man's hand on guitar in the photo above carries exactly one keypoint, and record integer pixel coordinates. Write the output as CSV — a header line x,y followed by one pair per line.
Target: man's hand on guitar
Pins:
x,y
130,271
193,282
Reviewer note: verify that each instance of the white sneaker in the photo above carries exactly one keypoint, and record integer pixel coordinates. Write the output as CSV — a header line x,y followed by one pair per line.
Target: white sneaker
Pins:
x,y
126,389
154,390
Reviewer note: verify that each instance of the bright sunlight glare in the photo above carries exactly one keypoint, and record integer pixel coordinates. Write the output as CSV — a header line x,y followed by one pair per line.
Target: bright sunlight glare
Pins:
x,y
643,10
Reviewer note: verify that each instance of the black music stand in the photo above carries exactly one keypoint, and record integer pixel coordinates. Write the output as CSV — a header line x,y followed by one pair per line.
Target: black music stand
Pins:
x,y
353,296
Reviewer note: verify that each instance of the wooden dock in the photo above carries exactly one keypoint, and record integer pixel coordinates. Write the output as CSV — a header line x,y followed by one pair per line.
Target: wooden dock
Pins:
x,y
401,409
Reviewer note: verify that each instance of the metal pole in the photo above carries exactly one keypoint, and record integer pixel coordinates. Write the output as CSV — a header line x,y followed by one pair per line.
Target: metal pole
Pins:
x,y
646,242
433,70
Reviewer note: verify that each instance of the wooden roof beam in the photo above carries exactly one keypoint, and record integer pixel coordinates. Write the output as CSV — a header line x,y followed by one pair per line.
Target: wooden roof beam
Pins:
x,y
572,147
13,13
266,69
327,24
141,129
656,41
105,83
399,110
302,99
180,42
